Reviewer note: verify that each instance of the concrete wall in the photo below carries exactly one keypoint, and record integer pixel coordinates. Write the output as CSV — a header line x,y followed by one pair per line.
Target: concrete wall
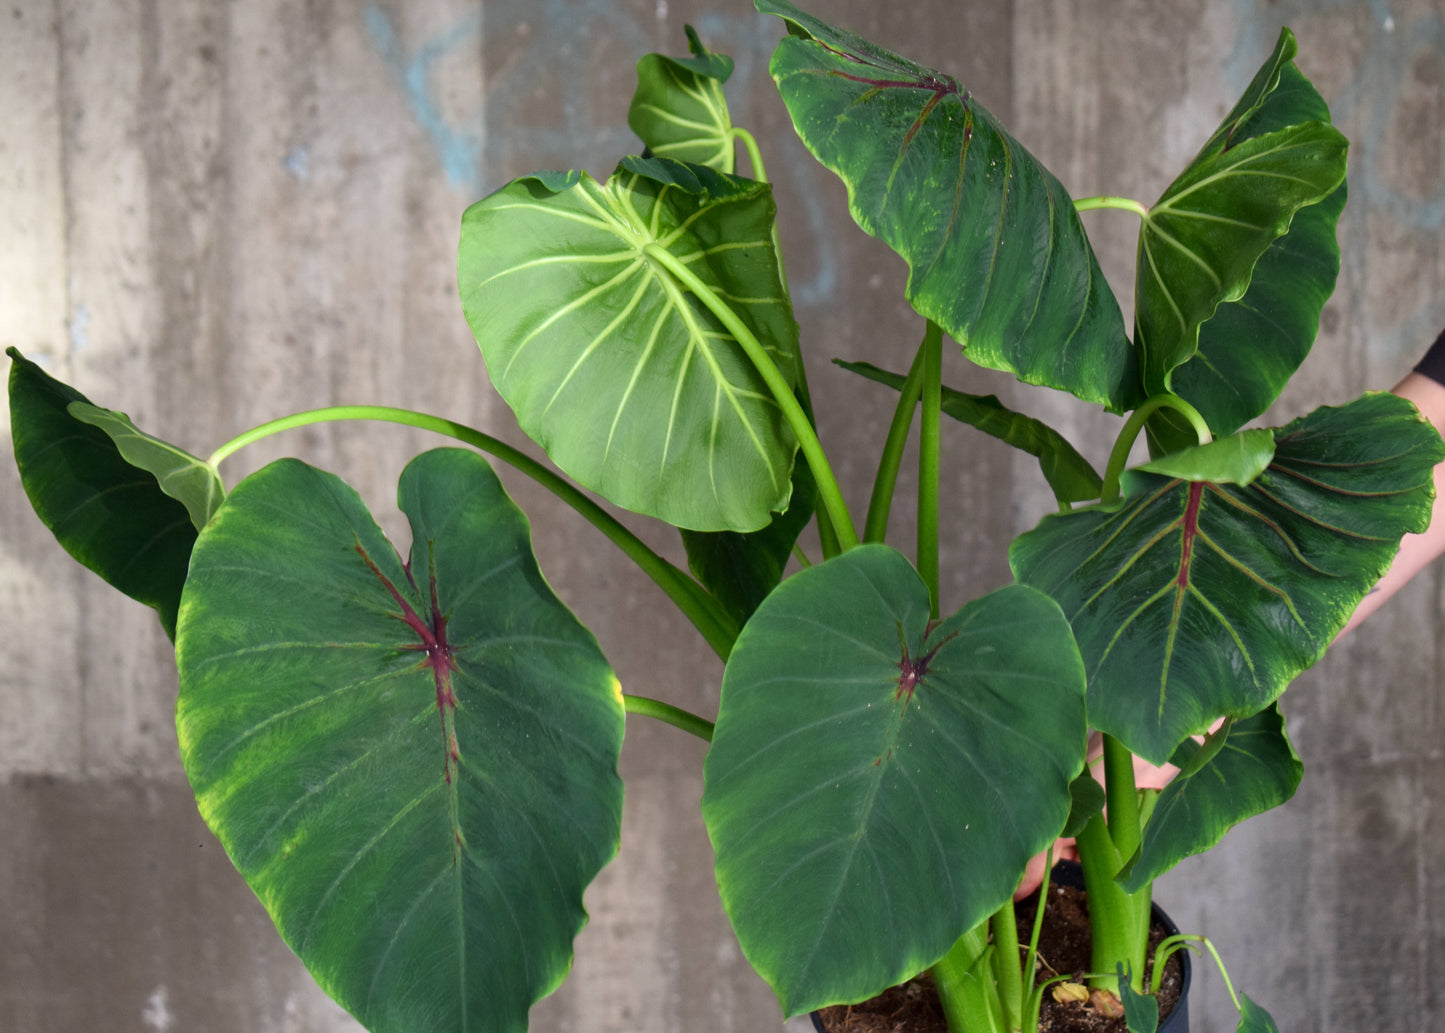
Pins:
x,y
216,213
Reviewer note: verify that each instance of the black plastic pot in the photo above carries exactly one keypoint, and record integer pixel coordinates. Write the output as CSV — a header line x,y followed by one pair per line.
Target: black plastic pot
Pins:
x,y
1068,873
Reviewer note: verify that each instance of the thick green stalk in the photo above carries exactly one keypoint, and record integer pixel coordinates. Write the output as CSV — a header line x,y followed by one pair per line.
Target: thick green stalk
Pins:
x,y
970,1000
1007,965
1119,921
829,493
929,433
694,602
880,504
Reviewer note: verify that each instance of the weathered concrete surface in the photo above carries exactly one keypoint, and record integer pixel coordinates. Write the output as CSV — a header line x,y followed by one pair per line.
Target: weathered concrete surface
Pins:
x,y
218,213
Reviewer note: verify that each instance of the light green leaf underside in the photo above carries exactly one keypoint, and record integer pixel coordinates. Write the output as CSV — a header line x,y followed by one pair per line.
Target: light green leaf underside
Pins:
x,y
679,110
189,480
630,383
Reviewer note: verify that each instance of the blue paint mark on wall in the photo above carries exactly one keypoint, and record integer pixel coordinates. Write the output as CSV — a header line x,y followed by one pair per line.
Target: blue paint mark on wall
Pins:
x,y
457,147
540,43
78,328
298,163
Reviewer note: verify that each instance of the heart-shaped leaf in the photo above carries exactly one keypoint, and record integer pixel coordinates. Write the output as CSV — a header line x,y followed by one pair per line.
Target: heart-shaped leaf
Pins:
x,y
1199,245
1069,474
1255,770
878,781
1193,600
630,383
189,480
413,765
996,253
111,514
679,110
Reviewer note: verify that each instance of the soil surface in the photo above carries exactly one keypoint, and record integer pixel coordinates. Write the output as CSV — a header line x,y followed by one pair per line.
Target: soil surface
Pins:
x,y
1063,949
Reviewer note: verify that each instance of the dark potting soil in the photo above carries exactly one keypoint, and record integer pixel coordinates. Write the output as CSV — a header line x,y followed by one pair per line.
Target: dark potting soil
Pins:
x,y
1064,946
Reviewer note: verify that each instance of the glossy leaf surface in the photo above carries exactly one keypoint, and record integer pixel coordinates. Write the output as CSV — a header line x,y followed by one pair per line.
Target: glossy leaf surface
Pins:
x,y
1250,348
679,110
188,479
1069,474
111,516
1255,770
1200,242
996,253
1195,600
413,765
630,383
877,781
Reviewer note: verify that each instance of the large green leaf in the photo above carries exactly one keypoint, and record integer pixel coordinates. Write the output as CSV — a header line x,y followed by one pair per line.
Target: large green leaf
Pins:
x,y
1069,474
1255,770
1193,600
413,765
877,781
679,109
996,253
1199,245
107,508
1250,348
630,383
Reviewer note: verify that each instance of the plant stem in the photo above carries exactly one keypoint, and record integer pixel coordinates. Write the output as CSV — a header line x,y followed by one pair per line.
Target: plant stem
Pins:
x,y
1089,204
1119,920
928,462
828,491
970,1002
880,504
755,155
1008,974
694,602
669,714
1119,455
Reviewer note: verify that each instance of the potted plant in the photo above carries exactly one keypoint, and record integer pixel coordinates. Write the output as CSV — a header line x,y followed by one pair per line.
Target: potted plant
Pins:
x,y
413,762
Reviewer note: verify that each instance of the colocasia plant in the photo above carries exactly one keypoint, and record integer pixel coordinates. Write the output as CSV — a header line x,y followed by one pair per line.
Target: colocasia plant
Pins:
x,y
413,762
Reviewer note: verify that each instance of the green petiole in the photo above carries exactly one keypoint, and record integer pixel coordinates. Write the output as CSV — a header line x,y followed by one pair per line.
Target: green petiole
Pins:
x,y
690,597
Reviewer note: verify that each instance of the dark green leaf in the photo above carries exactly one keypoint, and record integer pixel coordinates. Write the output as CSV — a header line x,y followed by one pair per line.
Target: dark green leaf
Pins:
x,y
1253,1018
1250,348
1068,473
109,514
996,253
191,481
413,765
878,781
679,109
632,386
1199,245
1141,1011
1087,800
1255,770
741,569
1194,600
